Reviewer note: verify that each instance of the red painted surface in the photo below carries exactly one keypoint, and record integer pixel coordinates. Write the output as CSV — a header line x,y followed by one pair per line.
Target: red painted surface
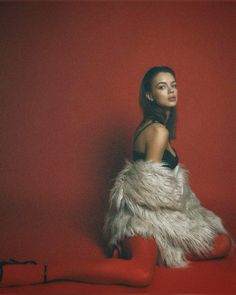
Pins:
x,y
70,74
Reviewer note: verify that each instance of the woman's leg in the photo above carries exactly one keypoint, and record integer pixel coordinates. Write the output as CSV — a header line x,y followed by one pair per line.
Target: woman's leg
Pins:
x,y
137,271
221,248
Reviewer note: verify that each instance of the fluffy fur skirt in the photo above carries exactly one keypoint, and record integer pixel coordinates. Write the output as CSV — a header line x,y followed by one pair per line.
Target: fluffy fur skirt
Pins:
x,y
149,199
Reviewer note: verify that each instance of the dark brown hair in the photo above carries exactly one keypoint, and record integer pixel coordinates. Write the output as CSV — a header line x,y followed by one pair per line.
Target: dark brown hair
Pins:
x,y
151,110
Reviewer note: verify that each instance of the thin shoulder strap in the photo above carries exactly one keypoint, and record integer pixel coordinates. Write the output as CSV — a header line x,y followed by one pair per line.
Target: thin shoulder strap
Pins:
x,y
153,121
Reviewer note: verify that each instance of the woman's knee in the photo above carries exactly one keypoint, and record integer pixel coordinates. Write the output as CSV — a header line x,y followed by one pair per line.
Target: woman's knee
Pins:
x,y
142,255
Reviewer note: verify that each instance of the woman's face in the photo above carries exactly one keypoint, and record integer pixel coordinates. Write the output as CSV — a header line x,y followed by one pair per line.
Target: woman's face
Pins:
x,y
164,90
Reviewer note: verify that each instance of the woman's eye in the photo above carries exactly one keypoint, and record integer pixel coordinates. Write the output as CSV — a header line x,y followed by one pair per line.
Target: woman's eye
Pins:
x,y
162,87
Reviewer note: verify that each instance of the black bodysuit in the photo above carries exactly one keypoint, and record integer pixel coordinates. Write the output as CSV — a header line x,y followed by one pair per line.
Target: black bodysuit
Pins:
x,y
170,160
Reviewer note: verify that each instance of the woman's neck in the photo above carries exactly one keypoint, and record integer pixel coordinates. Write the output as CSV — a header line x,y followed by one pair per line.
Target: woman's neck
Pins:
x,y
167,115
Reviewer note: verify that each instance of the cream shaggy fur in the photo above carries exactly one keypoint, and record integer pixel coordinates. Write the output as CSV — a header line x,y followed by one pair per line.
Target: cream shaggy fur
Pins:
x,y
149,199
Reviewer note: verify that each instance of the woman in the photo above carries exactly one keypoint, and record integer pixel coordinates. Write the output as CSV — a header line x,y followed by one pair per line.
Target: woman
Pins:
x,y
154,217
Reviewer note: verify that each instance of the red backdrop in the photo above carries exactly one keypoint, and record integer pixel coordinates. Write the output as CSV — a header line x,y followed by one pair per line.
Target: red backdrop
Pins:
x,y
70,75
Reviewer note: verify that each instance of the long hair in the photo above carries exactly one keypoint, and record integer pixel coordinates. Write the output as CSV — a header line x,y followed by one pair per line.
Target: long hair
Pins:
x,y
151,110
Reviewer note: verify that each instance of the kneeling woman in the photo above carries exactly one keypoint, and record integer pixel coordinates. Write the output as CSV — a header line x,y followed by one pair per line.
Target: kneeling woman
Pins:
x,y
154,217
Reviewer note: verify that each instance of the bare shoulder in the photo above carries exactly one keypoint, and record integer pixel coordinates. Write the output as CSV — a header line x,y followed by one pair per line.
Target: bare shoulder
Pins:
x,y
150,134
157,131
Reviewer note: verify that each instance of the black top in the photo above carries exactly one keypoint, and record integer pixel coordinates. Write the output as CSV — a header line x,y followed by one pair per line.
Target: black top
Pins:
x,y
170,160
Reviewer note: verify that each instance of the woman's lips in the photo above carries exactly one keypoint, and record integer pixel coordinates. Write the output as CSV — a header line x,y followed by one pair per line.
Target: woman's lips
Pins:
x,y
173,98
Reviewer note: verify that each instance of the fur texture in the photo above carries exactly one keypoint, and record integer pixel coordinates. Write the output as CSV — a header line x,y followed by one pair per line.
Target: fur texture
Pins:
x,y
149,199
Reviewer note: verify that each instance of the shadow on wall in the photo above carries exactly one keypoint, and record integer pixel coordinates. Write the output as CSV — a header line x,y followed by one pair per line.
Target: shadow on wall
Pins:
x,y
89,219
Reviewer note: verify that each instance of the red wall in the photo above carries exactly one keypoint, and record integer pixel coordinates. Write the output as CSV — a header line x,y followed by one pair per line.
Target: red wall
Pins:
x,y
70,74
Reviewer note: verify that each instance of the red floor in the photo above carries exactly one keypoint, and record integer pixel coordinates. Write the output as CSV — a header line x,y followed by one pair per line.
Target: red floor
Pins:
x,y
211,277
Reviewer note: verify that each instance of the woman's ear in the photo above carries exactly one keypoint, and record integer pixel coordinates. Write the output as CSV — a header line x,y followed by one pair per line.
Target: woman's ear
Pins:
x,y
149,97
